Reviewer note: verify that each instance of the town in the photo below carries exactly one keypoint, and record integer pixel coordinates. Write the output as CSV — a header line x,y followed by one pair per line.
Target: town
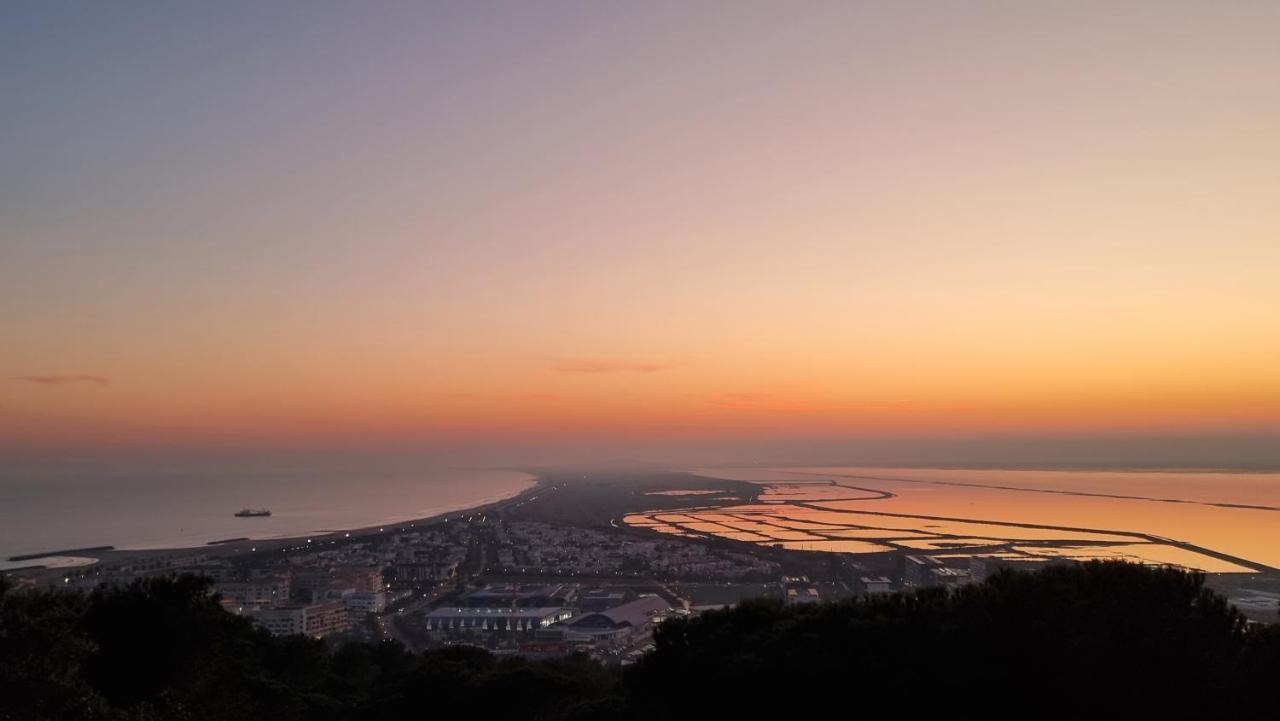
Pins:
x,y
552,571
510,581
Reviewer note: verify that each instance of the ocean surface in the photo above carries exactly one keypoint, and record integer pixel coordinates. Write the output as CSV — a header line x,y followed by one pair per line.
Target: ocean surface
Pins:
x,y
42,512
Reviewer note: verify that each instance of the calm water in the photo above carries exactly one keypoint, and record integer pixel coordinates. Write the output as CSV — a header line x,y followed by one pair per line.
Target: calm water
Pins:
x,y
1232,513
49,512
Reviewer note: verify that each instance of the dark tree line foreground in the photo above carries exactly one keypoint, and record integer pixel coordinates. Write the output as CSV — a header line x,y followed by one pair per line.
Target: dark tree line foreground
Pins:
x,y
1094,641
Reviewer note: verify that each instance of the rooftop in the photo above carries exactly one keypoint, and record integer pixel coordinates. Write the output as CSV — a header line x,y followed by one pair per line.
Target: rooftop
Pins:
x,y
634,613
522,612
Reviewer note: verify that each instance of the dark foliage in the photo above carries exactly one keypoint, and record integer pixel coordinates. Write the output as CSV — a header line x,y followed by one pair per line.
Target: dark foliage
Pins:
x,y
41,655
1100,640
164,649
1094,641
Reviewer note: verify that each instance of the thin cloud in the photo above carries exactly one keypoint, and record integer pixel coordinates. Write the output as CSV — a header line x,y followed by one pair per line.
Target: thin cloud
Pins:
x,y
66,380
589,366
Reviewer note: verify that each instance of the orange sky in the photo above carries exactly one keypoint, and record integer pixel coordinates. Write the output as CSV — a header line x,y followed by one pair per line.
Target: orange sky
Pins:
x,y
580,223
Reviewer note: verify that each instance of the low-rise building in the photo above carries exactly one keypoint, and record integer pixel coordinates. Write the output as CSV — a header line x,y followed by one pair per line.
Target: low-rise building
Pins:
x,y
798,589
366,602
316,620
916,570
524,618
620,622
427,572
949,577
265,591
600,599
314,583
877,585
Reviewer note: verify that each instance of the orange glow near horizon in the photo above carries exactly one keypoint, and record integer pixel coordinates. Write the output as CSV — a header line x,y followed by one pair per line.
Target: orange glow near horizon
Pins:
x,y
685,400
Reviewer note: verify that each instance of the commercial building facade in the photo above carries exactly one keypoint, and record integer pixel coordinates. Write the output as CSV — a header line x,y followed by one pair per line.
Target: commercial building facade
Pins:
x,y
522,619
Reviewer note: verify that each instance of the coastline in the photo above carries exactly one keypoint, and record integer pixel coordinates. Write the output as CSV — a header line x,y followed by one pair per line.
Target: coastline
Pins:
x,y
601,504
106,555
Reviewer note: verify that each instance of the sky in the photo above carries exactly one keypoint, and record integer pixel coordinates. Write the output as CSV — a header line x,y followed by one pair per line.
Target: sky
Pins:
x,y
736,230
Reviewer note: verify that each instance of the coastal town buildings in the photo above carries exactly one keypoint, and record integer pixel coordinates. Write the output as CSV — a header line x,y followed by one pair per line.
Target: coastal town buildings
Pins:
x,y
599,599
620,623
572,551
798,589
949,577
316,620
876,585
514,594
916,570
522,619
254,593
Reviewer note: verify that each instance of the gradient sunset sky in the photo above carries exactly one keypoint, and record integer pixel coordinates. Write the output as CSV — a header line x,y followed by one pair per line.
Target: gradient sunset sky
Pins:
x,y
559,225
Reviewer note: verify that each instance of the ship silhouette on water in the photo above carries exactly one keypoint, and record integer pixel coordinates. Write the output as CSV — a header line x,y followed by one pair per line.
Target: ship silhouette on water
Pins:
x,y
253,513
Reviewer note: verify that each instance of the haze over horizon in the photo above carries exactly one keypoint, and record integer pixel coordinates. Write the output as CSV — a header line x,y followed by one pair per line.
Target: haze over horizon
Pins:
x,y
532,233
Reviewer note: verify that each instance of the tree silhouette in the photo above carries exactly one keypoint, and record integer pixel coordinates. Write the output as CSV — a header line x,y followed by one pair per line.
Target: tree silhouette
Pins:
x,y
1092,641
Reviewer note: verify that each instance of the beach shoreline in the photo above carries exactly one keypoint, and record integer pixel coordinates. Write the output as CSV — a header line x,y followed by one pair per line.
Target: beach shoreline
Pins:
x,y
107,556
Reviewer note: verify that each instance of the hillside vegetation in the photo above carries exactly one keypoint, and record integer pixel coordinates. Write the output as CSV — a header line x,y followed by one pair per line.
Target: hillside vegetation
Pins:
x,y
1095,641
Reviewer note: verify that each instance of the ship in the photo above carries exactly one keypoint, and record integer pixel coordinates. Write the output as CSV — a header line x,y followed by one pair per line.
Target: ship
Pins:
x,y
253,513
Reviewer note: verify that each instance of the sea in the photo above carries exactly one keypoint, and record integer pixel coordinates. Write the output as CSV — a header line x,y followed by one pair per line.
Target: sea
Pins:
x,y
174,508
